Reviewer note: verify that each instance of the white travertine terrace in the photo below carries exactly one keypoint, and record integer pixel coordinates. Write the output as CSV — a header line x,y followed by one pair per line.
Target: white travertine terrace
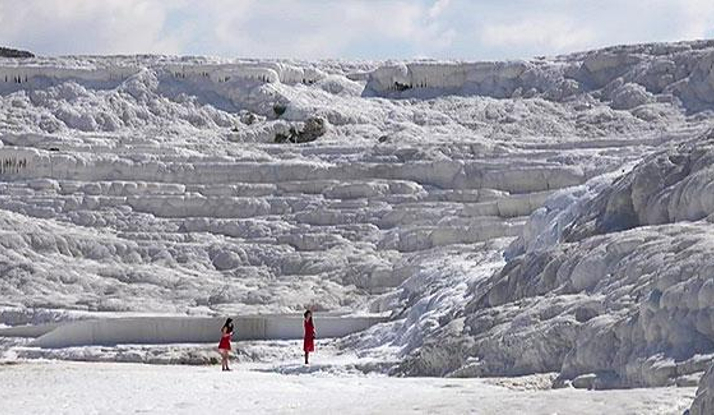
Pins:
x,y
155,184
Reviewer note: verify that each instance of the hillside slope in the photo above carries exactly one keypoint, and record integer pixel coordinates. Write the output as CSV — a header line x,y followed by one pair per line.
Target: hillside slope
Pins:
x,y
192,185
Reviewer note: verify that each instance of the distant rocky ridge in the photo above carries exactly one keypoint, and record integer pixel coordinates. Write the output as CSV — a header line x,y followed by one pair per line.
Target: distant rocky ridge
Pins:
x,y
15,53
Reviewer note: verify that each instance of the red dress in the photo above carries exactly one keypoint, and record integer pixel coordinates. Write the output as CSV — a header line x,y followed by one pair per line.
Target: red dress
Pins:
x,y
308,343
225,343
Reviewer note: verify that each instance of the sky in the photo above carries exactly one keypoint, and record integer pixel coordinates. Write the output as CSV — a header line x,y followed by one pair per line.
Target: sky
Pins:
x,y
347,29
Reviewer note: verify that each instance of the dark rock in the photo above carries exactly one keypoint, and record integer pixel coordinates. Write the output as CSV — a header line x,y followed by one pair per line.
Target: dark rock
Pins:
x,y
401,87
584,314
250,118
281,138
279,109
15,53
314,128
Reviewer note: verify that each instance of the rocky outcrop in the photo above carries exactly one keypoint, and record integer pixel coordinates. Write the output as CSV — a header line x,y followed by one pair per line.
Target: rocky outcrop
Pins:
x,y
668,187
626,297
14,53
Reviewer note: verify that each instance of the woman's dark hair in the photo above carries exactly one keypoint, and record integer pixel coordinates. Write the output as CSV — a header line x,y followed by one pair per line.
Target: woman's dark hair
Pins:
x,y
308,313
229,325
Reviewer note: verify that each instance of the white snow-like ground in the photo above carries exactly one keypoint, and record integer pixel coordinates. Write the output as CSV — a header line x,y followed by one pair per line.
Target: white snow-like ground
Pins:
x,y
510,218
113,388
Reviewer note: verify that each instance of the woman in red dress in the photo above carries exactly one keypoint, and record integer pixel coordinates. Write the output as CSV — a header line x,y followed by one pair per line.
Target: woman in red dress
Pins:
x,y
224,346
308,343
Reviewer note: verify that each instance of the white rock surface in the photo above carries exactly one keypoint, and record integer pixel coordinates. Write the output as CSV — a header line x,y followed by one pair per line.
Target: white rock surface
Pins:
x,y
163,389
153,184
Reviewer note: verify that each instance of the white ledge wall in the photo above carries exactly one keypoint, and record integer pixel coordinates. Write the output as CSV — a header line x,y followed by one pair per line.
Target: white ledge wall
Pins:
x,y
268,72
158,330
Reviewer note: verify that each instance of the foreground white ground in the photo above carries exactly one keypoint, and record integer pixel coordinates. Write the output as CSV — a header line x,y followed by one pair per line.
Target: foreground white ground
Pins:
x,y
114,388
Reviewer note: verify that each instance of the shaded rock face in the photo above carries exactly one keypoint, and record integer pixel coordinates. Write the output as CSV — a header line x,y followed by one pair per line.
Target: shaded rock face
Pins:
x,y
626,299
704,401
15,53
671,186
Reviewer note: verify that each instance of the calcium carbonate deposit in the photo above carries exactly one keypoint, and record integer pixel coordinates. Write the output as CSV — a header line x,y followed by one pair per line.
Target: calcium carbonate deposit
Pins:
x,y
551,215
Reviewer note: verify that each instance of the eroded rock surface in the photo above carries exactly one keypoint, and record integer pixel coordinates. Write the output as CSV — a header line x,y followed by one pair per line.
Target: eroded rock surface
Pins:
x,y
623,298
